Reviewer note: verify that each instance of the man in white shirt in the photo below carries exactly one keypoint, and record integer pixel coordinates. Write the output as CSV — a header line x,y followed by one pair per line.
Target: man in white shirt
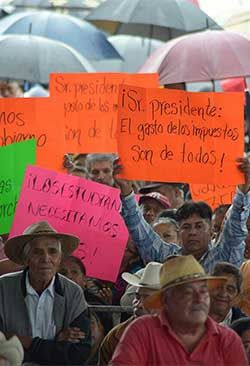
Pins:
x,y
46,311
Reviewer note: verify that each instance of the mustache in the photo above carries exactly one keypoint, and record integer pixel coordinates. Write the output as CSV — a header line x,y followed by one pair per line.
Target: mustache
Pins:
x,y
197,307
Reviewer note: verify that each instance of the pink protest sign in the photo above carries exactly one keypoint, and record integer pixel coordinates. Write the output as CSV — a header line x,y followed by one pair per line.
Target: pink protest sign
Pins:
x,y
76,206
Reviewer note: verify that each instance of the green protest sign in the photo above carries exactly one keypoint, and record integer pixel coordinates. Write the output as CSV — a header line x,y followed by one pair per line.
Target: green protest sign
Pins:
x,y
14,159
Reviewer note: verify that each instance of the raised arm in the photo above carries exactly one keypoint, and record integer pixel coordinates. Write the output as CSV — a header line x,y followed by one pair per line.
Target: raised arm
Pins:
x,y
231,244
150,246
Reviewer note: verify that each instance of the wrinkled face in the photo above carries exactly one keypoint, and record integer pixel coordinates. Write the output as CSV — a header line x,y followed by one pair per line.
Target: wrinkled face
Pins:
x,y
167,231
223,296
43,258
245,337
141,295
195,235
187,304
150,209
247,241
101,172
72,270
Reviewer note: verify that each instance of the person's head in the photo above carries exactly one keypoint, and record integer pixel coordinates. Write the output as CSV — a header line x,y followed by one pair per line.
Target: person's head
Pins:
x,y
247,241
130,256
145,283
10,90
152,204
40,248
169,212
79,159
11,351
223,296
168,229
100,168
217,219
73,268
242,328
194,219
184,292
173,191
78,171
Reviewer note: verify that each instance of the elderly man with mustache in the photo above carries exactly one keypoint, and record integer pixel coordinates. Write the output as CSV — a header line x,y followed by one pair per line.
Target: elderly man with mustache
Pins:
x,y
182,334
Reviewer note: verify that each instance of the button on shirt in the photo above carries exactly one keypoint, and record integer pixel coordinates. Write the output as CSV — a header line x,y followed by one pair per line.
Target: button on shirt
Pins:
x,y
230,246
40,310
158,345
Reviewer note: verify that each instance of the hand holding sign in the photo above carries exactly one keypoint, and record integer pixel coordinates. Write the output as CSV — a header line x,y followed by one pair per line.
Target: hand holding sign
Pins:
x,y
176,136
244,167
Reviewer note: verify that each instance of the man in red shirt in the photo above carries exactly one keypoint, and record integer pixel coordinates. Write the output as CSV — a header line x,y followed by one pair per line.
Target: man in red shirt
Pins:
x,y
183,334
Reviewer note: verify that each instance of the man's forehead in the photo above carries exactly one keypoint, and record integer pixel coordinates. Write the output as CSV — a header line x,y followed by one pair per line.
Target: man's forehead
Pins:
x,y
191,285
100,163
195,218
45,241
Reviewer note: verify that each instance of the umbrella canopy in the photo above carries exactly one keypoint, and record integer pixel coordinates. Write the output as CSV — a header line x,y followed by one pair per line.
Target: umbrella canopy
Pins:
x,y
158,19
209,55
134,51
81,35
33,58
239,21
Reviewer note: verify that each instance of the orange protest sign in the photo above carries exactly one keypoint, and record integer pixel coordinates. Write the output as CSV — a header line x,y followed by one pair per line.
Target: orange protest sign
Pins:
x,y
91,112
40,118
176,136
214,195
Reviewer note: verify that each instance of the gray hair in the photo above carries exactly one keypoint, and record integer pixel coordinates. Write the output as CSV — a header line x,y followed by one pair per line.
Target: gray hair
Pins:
x,y
27,248
99,157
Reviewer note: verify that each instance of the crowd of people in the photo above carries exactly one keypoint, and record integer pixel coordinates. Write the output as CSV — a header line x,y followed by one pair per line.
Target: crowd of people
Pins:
x,y
183,287
183,282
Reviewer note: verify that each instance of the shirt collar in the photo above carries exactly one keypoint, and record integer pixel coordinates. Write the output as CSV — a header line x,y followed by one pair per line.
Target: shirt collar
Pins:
x,y
228,318
30,290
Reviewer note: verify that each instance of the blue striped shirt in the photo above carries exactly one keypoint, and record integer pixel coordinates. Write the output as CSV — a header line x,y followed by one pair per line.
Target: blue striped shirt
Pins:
x,y
151,247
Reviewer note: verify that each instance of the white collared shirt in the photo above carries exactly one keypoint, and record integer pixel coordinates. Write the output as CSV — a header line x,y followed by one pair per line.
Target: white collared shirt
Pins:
x,y
40,310
228,318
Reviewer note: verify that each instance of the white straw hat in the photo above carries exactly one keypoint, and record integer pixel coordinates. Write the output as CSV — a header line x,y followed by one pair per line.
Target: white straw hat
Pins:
x,y
149,279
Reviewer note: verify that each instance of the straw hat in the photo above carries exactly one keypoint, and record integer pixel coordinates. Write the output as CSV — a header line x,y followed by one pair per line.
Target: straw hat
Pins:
x,y
13,248
178,271
149,278
11,350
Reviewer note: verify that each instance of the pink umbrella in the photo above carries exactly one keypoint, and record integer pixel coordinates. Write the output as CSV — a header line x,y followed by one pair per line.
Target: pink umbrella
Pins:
x,y
203,56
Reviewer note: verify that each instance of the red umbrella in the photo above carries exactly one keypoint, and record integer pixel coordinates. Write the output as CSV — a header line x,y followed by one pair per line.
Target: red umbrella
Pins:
x,y
203,56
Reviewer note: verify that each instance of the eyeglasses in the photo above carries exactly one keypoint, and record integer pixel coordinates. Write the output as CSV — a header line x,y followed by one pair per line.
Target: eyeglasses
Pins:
x,y
231,290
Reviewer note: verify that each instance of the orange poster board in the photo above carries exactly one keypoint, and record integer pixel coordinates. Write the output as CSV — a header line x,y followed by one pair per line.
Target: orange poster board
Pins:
x,y
177,136
91,111
40,118
214,195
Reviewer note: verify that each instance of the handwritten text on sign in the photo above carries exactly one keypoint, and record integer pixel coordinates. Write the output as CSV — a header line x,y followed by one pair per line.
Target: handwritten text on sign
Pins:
x,y
74,205
13,161
91,115
23,119
178,136
214,195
